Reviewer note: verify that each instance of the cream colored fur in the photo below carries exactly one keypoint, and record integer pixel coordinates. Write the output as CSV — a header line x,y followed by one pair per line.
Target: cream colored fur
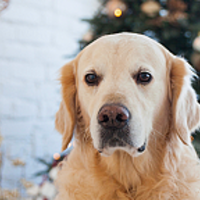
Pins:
x,y
165,112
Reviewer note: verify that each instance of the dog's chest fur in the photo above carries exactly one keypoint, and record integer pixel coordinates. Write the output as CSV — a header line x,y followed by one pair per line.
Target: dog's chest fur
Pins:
x,y
91,177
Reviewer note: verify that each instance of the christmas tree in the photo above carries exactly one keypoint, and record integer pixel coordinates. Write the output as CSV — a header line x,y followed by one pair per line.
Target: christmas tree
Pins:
x,y
173,23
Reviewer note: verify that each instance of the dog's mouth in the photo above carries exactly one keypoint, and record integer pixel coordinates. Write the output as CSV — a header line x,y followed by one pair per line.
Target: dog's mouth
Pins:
x,y
118,139
115,137
115,132
133,151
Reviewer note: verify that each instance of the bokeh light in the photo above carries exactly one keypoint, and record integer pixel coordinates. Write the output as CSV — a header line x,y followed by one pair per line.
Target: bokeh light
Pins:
x,y
118,12
56,156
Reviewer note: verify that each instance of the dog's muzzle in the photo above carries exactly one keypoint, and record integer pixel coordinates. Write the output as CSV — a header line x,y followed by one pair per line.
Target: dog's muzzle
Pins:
x,y
114,127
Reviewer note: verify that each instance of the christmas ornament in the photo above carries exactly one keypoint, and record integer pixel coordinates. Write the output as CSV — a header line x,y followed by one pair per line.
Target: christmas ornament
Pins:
x,y
163,12
179,15
115,8
177,12
151,8
56,156
196,43
175,17
176,5
172,18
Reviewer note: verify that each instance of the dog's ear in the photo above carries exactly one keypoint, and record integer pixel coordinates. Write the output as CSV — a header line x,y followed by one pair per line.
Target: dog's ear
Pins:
x,y
185,108
65,117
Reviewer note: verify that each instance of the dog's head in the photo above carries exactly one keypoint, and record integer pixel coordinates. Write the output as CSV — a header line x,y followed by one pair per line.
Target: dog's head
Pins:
x,y
124,87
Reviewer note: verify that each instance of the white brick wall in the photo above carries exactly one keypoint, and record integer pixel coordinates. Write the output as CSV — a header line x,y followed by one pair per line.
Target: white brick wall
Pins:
x,y
35,37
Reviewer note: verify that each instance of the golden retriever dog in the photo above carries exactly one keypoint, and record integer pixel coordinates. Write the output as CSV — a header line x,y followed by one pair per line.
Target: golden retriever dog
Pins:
x,y
132,108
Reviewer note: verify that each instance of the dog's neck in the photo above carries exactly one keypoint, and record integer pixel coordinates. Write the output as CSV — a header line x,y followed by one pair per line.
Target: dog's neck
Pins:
x,y
133,171
126,170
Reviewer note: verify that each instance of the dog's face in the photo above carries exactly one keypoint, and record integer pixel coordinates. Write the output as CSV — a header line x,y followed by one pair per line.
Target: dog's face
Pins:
x,y
122,86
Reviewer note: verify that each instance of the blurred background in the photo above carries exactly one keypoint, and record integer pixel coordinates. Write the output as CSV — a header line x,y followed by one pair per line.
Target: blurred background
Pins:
x,y
36,39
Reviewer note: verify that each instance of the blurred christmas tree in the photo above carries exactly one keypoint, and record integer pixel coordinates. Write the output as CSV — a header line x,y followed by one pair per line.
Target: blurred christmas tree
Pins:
x,y
173,23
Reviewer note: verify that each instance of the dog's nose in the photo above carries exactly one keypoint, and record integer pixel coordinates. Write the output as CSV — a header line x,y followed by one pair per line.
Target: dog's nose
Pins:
x,y
113,116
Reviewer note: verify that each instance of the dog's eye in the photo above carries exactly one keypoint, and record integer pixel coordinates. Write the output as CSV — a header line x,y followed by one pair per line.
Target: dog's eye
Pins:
x,y
91,79
144,77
